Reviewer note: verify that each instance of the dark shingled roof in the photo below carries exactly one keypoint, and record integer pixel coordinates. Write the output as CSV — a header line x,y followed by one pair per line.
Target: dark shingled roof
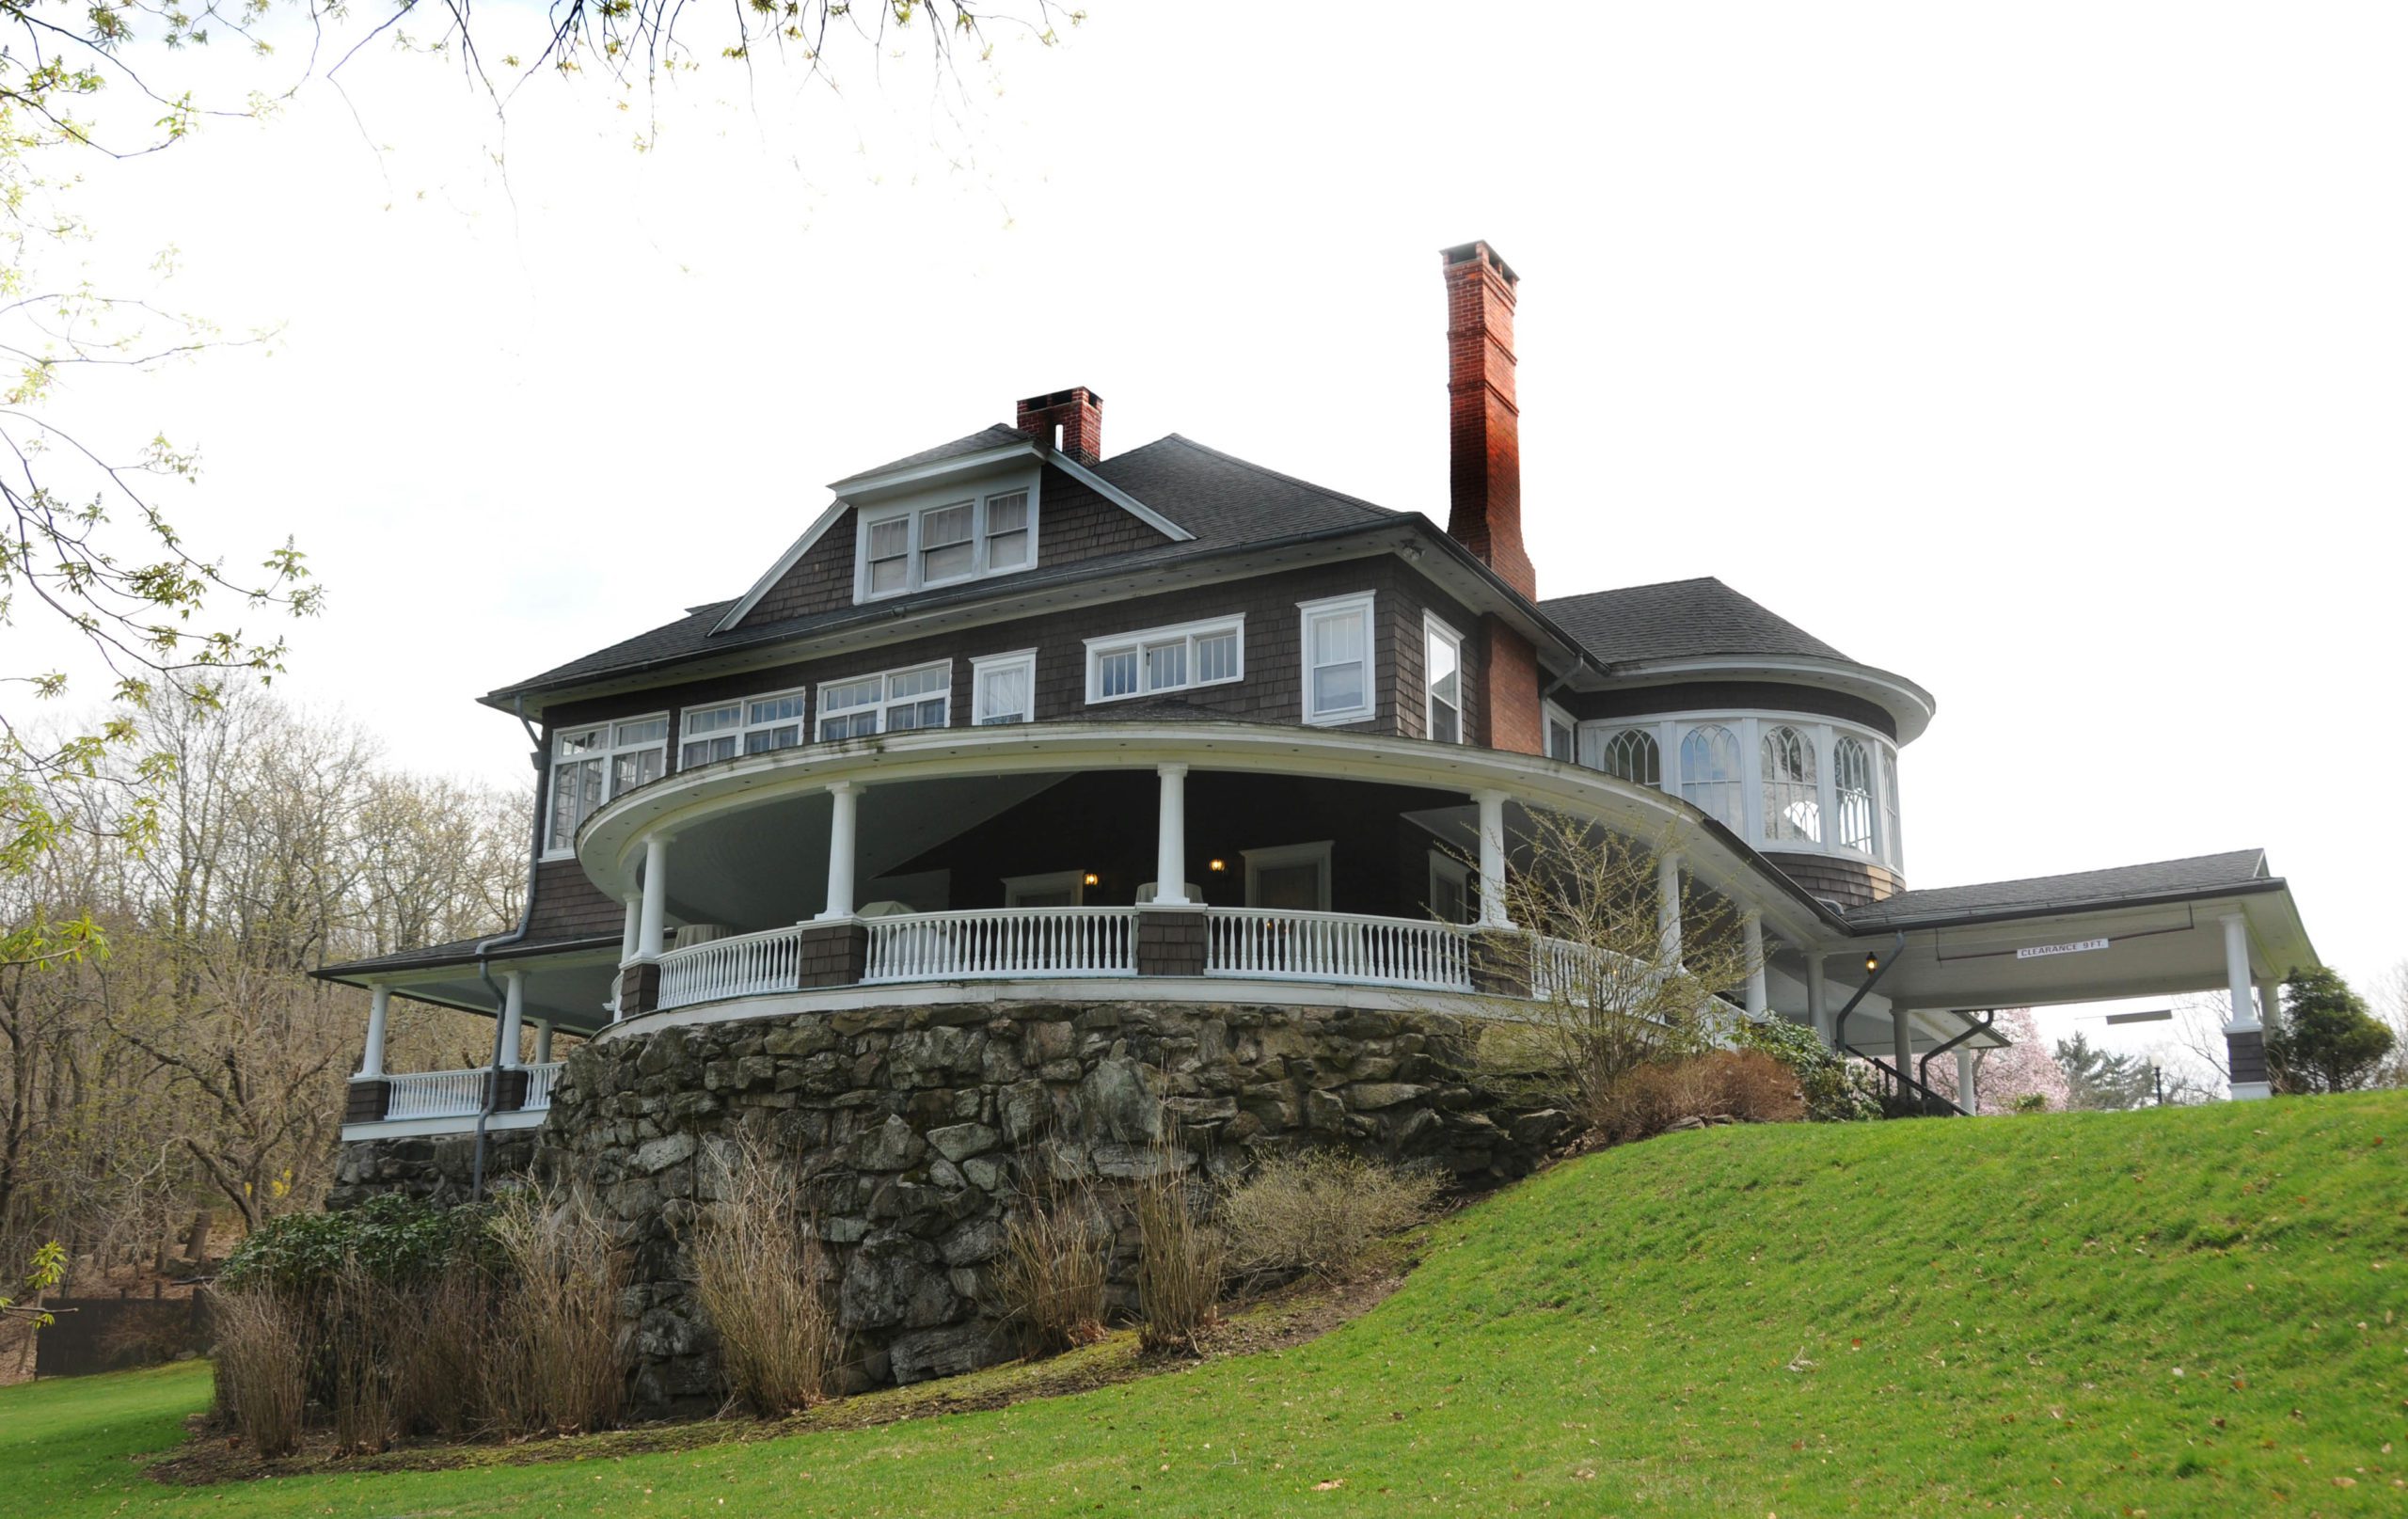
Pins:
x,y
2199,875
978,442
1224,502
458,952
1679,619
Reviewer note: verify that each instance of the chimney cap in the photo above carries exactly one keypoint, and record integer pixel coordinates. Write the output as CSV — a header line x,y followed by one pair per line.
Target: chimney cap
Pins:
x,y
1481,252
1061,398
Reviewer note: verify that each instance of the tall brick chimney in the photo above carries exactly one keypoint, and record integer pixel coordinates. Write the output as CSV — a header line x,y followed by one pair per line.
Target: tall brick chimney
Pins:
x,y
1484,471
1071,421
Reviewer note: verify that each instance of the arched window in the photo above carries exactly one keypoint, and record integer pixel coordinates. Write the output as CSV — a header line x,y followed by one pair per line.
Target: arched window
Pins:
x,y
1710,779
1852,783
1897,852
1631,755
1793,810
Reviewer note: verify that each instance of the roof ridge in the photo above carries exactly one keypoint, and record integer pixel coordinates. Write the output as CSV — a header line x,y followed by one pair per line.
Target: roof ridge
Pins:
x,y
1275,474
1654,585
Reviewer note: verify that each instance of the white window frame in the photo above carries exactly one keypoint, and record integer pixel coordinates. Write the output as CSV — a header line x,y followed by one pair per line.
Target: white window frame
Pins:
x,y
1749,726
1114,645
607,754
1016,887
1455,872
1364,602
745,728
979,499
1432,630
1279,856
1023,659
1557,718
886,703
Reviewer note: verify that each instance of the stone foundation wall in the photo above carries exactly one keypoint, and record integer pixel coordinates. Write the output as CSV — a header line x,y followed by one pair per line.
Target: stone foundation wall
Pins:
x,y
917,1131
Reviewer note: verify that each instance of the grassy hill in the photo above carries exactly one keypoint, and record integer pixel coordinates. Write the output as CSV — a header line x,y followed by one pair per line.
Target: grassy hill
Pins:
x,y
2174,1312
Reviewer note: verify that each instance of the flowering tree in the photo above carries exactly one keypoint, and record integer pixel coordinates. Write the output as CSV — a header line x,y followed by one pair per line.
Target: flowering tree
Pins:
x,y
2003,1077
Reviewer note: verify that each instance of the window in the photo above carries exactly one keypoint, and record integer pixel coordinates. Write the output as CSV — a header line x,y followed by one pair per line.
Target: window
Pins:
x,y
1338,659
1449,899
1166,660
898,700
1055,888
753,726
1002,689
1890,836
1793,807
913,548
1442,669
1632,755
591,765
1562,738
1294,877
1852,787
1709,773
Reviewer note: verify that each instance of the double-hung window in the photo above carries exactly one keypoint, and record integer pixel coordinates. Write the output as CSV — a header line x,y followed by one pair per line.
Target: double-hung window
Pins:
x,y
1161,659
591,765
966,538
755,725
1002,689
1340,678
1442,667
896,701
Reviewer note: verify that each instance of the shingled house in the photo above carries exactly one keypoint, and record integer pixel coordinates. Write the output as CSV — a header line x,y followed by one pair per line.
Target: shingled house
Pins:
x,y
1020,718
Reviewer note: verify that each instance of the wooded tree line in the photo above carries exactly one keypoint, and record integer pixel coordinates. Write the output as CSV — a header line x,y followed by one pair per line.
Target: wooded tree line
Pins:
x,y
193,1067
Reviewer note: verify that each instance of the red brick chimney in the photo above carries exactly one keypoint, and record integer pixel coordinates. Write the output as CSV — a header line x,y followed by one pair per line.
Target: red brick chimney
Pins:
x,y
1484,471
1071,421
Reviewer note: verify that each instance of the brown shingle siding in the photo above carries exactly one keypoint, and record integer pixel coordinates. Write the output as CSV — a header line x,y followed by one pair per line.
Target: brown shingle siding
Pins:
x,y
569,906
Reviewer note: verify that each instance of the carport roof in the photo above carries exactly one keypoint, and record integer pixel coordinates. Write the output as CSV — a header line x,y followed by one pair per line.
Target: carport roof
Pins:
x,y
2204,875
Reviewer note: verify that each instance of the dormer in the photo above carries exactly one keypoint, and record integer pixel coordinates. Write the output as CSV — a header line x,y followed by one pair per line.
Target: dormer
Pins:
x,y
974,519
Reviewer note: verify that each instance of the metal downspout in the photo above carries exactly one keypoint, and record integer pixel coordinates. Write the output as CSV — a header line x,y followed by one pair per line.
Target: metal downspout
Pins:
x,y
1880,969
484,974
1923,1067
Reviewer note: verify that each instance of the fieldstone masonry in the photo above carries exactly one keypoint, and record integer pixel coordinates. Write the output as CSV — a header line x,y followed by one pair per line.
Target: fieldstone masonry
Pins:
x,y
917,1131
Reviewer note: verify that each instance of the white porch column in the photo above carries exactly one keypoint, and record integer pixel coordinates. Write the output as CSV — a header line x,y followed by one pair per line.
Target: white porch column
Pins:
x,y
1818,997
627,936
371,1060
1170,838
1965,1095
514,1008
1751,926
2244,1038
1902,1043
543,1041
1492,859
2270,1001
844,833
654,919
1667,904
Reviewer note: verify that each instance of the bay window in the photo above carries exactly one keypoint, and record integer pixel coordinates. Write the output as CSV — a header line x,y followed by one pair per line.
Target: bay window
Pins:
x,y
591,765
1338,658
1633,756
894,701
1162,660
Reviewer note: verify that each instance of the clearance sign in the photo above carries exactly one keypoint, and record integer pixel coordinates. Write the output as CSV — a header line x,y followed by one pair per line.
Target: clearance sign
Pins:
x,y
2077,947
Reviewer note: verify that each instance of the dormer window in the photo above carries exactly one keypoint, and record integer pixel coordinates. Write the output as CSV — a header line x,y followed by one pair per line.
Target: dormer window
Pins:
x,y
942,543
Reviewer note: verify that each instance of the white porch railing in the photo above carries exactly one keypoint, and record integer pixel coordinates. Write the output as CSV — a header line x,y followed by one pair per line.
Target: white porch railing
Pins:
x,y
435,1094
540,1080
1002,941
1273,946
745,966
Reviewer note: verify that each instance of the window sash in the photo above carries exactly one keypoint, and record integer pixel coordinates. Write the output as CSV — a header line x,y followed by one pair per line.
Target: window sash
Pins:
x,y
1003,689
593,765
1158,659
1337,660
948,543
1442,673
893,700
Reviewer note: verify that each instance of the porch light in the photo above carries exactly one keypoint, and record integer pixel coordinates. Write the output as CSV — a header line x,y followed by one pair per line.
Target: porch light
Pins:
x,y
1090,879
1873,963
1217,867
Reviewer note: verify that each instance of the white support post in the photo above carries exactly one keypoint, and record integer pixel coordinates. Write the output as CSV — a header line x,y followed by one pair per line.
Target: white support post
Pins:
x,y
1170,838
653,921
1818,996
1492,859
1902,1044
2270,1001
543,1041
2245,1036
514,1008
371,1060
1668,905
1967,1099
629,935
844,833
1751,926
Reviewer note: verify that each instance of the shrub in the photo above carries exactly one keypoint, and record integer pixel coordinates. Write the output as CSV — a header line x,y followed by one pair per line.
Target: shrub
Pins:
x,y
439,1367
1180,1254
1321,1211
2032,1102
1836,1089
1725,1087
263,1350
1050,1285
361,1317
759,1275
562,1363
395,1238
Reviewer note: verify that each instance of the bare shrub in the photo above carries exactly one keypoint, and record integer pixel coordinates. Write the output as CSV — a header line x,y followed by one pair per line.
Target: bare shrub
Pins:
x,y
263,1350
1721,1087
439,1367
361,1317
759,1274
1181,1256
563,1364
1321,1211
1049,1286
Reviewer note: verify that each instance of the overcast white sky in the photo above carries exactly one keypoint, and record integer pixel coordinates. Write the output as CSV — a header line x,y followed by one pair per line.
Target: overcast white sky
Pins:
x,y
2049,355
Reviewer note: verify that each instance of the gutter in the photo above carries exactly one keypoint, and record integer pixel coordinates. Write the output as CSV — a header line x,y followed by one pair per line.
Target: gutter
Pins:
x,y
484,974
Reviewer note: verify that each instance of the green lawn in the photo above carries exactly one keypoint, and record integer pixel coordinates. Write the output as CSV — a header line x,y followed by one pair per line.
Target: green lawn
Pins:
x,y
2181,1312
